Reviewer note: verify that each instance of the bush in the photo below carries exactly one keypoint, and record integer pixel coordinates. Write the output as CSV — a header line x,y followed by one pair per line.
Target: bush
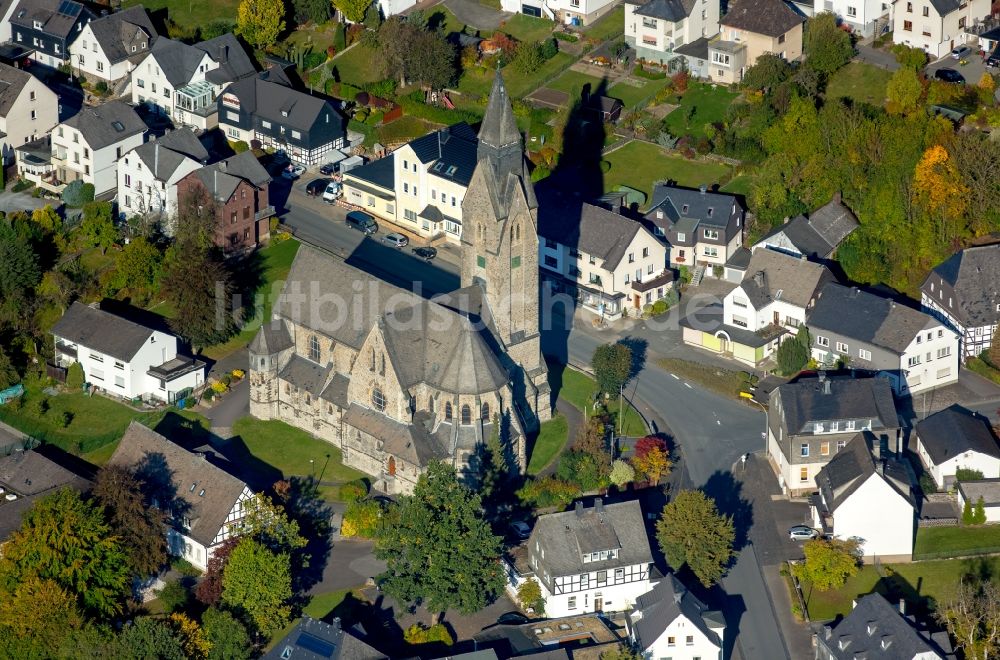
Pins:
x,y
239,146
78,193
209,394
66,419
340,37
219,387
101,88
361,519
174,596
927,483
313,60
965,474
566,36
546,492
352,491
190,402
419,634
640,72
549,48
74,376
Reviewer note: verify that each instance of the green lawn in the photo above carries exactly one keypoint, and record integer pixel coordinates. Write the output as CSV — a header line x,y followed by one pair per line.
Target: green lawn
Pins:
x,y
741,185
404,129
574,81
191,13
956,541
551,441
289,450
358,65
640,164
528,28
579,390
608,26
440,18
701,104
520,85
632,96
276,260
314,38
860,82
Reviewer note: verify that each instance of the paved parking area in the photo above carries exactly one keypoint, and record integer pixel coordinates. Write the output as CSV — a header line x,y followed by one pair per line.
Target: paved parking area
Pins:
x,y
972,71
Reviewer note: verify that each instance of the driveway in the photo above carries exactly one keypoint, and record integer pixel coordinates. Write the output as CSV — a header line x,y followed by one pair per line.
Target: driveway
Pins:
x,y
477,15
349,565
880,58
12,201
234,405
972,71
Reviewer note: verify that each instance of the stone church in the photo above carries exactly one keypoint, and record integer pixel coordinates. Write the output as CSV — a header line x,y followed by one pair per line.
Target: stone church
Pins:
x,y
396,381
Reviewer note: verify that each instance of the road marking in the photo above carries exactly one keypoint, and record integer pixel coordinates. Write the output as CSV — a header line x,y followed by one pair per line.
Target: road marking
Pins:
x,y
718,422
688,385
675,376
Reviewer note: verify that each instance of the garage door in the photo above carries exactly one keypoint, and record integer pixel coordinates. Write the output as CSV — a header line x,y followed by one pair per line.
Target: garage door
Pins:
x,y
531,11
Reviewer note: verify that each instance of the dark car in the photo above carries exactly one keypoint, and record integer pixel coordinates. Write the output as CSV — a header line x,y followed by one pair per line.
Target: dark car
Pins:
x,y
362,222
994,59
316,187
425,253
949,75
512,619
328,169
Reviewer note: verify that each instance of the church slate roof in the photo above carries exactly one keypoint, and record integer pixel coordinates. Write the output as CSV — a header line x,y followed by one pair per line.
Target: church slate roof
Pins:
x,y
271,338
305,374
974,275
414,443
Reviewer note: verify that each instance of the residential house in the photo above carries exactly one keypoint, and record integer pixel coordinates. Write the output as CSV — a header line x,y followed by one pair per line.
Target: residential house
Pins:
x,y
7,8
28,110
372,188
609,263
148,175
701,228
393,7
816,236
566,12
431,176
26,476
864,18
750,29
987,490
954,439
184,82
260,110
586,636
811,420
964,292
238,186
876,629
594,559
48,27
865,493
914,350
672,32
88,145
671,622
203,501
109,47
125,358
311,639
771,303
936,26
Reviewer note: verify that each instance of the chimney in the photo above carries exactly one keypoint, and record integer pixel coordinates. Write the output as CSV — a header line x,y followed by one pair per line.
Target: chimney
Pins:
x,y
827,632
659,214
599,505
223,53
821,376
902,606
156,160
758,278
827,387
215,183
703,188
579,509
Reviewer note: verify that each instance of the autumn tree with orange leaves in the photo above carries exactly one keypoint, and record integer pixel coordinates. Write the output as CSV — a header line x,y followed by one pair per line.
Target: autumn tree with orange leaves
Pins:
x,y
939,192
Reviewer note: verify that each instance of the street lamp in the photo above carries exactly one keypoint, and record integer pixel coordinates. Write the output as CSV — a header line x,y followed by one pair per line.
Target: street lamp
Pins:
x,y
312,471
749,397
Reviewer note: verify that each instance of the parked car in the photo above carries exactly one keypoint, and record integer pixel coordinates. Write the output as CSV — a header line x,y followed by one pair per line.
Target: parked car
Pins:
x,y
802,533
395,240
994,59
362,222
425,253
293,172
512,619
328,169
316,187
961,52
520,529
332,192
949,75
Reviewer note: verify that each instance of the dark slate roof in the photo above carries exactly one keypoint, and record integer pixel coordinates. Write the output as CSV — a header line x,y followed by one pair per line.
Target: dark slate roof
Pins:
x,y
499,127
852,466
315,640
164,155
954,431
876,629
945,7
815,400
271,338
769,17
378,172
772,275
305,374
221,179
597,231
281,104
101,331
740,259
566,536
118,32
208,491
988,489
107,124
12,81
177,60
819,234
974,275
452,146
414,443
336,391
712,209
656,610
31,475
56,16
868,318
697,49
668,10
228,52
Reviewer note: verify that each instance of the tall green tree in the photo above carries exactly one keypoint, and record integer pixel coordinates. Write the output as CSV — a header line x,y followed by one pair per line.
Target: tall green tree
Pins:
x,y
769,71
19,270
317,11
410,53
829,563
438,547
903,91
353,10
260,22
257,583
142,528
972,617
98,226
692,531
612,365
228,637
792,356
8,374
65,539
268,522
41,610
137,267
826,46
150,638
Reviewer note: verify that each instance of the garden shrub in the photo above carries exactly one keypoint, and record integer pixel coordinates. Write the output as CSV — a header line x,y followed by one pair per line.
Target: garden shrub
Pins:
x,y
361,519
352,491
74,376
420,634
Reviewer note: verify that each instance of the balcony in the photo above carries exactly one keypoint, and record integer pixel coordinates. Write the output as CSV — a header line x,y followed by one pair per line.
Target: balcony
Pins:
x,y
266,212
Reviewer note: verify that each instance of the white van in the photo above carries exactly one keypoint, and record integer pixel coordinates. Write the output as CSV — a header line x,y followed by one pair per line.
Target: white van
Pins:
x,y
332,192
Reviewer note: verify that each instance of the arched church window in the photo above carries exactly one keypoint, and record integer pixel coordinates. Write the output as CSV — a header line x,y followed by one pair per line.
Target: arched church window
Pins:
x,y
485,416
381,364
447,410
371,365
518,232
466,414
262,363
314,348
378,400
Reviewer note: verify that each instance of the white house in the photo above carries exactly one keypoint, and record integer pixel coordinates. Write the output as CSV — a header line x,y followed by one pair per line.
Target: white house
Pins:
x,y
611,264
148,175
936,26
914,350
671,622
815,237
568,12
203,501
964,292
953,439
28,110
109,47
865,493
124,358
988,490
864,17
591,560
664,30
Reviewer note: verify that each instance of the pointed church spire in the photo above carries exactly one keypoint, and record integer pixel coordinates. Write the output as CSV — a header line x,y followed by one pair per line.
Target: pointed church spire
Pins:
x,y
499,127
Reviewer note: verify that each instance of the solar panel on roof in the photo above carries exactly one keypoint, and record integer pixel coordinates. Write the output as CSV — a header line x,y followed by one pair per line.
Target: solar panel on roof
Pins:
x,y
315,645
70,8
118,126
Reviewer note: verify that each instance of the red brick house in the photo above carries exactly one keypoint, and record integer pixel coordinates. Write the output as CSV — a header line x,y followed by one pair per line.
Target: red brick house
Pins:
x,y
239,186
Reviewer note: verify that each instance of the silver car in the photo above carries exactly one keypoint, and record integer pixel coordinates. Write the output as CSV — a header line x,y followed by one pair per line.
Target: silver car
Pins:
x,y
395,240
802,533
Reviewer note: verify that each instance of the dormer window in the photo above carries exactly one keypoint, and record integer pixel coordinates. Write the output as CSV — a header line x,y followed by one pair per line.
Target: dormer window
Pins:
x,y
193,486
684,209
284,113
451,171
37,25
